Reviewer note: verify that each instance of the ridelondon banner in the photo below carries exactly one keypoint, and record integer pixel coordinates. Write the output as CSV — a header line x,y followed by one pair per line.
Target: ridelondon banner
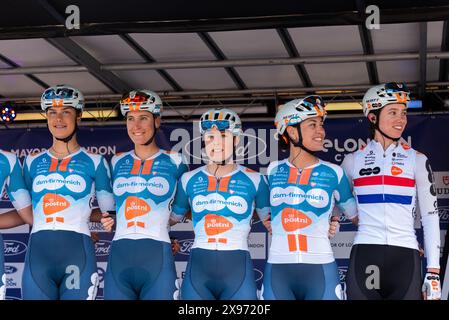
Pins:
x,y
256,150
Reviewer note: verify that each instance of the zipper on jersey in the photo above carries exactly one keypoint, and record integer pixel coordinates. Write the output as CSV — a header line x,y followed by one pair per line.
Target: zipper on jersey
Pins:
x,y
297,233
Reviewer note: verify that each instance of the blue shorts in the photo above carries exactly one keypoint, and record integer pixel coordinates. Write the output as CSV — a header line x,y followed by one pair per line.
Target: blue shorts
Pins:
x,y
301,281
60,265
141,269
219,275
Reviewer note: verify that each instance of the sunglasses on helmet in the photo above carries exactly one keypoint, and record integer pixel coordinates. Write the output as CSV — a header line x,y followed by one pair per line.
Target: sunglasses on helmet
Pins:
x,y
221,125
137,97
62,93
396,87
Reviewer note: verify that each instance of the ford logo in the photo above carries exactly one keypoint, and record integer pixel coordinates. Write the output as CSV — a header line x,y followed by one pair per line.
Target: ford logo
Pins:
x,y
342,273
186,246
14,247
258,274
443,212
10,269
242,151
343,220
4,196
101,273
102,248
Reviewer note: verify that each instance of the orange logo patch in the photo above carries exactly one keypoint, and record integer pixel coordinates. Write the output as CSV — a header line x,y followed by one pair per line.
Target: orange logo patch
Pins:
x,y
405,146
395,170
54,203
57,103
135,207
294,219
401,97
215,224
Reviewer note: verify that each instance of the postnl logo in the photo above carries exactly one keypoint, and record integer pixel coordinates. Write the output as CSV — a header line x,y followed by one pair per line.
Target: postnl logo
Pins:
x,y
135,207
54,203
215,224
396,170
294,219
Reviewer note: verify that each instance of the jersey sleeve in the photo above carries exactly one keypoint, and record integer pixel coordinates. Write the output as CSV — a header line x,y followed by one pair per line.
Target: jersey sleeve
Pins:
x,y
16,188
27,175
262,199
103,187
181,201
347,165
344,198
425,187
182,168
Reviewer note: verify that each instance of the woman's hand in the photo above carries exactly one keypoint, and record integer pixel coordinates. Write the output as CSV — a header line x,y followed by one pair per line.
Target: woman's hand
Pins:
x,y
334,226
107,221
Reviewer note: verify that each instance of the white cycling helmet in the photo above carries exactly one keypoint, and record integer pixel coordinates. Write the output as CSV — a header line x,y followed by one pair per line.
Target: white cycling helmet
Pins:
x,y
295,111
62,96
379,96
141,100
222,119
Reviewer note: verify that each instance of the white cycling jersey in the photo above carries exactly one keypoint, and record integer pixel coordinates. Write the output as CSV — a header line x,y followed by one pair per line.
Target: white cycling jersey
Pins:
x,y
387,185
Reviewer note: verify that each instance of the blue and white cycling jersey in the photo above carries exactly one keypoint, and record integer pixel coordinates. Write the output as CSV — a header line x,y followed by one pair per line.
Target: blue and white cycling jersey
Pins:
x,y
62,190
144,191
301,206
221,208
11,178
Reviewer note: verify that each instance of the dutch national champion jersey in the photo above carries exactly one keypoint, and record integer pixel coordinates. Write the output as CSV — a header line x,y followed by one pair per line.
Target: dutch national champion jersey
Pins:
x,y
386,185
144,191
221,208
301,206
62,190
11,178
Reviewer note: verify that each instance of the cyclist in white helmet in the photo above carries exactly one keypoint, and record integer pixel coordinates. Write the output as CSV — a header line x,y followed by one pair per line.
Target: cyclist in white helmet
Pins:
x,y
141,265
11,180
303,191
388,177
221,196
60,262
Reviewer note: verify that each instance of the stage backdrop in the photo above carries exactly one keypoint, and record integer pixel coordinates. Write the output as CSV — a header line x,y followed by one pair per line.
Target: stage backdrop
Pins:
x,y
425,133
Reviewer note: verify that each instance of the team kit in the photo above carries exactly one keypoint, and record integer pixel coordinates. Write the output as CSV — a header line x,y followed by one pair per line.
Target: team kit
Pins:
x,y
143,192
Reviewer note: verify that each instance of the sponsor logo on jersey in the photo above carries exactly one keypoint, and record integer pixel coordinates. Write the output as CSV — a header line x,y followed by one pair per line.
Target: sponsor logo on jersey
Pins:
x,y
291,195
53,203
294,219
55,181
135,207
396,170
158,186
214,224
216,202
369,171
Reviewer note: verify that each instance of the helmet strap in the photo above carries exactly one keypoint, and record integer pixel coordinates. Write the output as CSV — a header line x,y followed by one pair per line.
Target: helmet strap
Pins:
x,y
299,143
376,126
154,132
